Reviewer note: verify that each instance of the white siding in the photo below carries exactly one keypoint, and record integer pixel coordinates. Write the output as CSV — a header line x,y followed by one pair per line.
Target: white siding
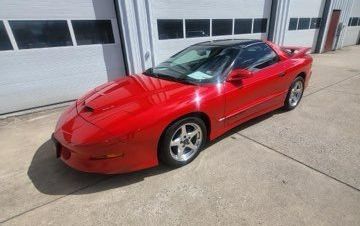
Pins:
x,y
36,77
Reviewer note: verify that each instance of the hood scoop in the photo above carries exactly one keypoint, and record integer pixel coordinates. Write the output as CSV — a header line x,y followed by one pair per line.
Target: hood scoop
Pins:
x,y
88,109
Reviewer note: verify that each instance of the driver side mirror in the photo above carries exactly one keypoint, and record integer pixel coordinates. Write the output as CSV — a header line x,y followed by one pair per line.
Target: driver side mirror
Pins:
x,y
239,74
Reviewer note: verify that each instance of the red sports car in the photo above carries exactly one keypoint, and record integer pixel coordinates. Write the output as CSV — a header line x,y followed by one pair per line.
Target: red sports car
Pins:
x,y
171,111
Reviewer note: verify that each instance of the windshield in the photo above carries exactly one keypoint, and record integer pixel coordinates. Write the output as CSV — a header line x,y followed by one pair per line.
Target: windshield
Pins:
x,y
196,64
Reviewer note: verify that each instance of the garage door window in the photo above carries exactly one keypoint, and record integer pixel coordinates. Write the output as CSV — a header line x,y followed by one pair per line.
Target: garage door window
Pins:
x,y
89,32
304,23
243,26
41,34
4,38
293,24
354,21
260,25
197,28
315,23
170,29
222,27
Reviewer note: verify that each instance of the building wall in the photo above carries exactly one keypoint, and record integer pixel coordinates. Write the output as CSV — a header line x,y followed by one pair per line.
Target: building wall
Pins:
x,y
352,33
42,76
145,49
345,6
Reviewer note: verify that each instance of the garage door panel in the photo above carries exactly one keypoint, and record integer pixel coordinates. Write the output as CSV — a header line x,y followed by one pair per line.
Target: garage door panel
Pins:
x,y
352,35
302,38
35,94
40,64
45,9
209,8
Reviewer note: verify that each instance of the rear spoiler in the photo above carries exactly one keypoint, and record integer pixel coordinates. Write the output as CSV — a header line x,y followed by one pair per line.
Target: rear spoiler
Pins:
x,y
294,51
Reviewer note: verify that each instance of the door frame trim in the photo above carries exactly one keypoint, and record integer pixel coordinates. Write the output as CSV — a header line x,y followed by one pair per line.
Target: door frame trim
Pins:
x,y
320,39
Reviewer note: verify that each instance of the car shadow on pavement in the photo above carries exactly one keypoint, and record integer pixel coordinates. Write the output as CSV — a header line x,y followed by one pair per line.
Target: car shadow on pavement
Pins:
x,y
53,177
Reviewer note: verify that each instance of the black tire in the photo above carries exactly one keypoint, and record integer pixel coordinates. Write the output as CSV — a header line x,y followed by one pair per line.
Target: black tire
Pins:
x,y
164,145
287,104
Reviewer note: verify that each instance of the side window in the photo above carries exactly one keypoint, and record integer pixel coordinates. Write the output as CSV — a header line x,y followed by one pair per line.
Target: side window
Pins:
x,y
256,57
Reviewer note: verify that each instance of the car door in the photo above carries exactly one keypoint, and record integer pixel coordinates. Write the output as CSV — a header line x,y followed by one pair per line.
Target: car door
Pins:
x,y
261,92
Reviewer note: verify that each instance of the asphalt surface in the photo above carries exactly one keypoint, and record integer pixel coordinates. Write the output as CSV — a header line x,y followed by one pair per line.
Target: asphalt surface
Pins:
x,y
285,168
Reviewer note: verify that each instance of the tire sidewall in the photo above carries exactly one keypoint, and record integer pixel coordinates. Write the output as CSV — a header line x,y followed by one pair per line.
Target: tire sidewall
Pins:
x,y
164,152
287,100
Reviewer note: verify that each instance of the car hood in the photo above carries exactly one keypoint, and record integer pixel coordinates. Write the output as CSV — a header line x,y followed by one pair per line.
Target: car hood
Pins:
x,y
129,96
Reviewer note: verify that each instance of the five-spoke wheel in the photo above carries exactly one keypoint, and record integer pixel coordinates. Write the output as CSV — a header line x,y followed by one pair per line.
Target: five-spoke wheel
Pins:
x,y
182,141
295,93
186,141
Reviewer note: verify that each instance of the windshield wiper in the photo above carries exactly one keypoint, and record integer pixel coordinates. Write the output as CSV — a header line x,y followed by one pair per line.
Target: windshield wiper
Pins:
x,y
148,73
171,78
168,77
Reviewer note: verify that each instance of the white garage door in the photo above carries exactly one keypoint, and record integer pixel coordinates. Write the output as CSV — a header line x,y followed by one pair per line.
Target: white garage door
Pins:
x,y
352,30
179,23
53,51
303,23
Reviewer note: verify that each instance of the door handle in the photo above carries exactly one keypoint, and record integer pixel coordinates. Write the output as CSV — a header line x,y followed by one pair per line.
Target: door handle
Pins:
x,y
282,74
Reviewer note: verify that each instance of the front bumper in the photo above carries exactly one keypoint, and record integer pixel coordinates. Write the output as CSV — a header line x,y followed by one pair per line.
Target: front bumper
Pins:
x,y
85,147
114,163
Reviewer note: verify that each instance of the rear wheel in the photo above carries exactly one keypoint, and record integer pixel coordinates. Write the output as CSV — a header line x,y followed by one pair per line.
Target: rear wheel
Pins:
x,y
183,141
295,94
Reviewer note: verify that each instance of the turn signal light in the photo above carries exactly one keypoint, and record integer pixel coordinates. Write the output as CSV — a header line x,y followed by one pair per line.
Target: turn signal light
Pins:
x,y
108,156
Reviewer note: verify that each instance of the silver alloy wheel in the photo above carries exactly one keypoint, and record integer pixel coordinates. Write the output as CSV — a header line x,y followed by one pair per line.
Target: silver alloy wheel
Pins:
x,y
296,93
185,142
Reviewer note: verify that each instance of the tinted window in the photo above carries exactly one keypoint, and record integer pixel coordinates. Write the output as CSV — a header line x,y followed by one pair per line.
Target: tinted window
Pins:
x,y
170,29
315,23
93,31
354,21
260,25
256,57
293,23
196,64
4,38
243,26
197,28
221,27
304,23
41,33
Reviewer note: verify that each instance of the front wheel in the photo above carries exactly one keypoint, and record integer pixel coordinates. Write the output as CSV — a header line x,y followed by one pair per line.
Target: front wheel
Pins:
x,y
182,141
295,94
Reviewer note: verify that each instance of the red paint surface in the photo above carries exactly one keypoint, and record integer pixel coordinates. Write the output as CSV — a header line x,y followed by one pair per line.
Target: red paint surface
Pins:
x,y
116,127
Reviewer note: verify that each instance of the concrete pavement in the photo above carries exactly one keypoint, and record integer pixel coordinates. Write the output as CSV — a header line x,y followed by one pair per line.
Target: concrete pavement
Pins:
x,y
285,168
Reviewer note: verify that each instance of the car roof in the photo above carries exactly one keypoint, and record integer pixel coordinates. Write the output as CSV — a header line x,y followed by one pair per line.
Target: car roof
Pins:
x,y
229,42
